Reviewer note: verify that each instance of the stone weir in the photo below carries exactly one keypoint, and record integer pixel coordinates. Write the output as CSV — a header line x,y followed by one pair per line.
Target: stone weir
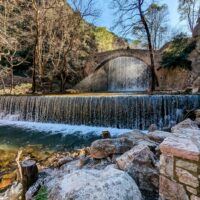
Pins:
x,y
121,111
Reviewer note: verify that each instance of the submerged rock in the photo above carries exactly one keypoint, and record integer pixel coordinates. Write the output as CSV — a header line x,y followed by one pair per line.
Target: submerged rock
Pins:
x,y
106,184
159,136
141,165
105,147
152,127
105,135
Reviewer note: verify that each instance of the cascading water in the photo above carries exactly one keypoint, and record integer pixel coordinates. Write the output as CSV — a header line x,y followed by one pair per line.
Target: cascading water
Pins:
x,y
121,111
128,74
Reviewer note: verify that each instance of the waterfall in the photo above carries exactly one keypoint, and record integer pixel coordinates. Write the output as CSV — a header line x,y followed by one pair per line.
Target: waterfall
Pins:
x,y
121,111
128,74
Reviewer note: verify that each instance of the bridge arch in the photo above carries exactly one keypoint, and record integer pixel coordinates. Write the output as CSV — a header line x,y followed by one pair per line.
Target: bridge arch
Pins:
x,y
103,58
123,70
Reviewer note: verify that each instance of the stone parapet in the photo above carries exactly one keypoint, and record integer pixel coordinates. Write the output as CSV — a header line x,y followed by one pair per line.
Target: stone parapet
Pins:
x,y
180,169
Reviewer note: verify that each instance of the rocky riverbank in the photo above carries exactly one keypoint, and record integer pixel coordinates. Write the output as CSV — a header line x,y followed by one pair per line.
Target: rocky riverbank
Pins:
x,y
122,168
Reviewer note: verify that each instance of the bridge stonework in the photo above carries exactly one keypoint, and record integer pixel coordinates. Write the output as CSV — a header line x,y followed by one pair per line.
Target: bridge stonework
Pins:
x,y
169,79
104,57
99,59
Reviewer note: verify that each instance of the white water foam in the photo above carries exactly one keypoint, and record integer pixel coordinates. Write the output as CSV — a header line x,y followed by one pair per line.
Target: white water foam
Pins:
x,y
64,129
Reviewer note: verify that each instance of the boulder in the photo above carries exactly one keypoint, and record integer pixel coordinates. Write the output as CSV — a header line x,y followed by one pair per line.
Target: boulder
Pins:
x,y
186,124
13,193
106,184
197,113
197,121
105,147
152,127
193,114
192,134
138,137
141,165
105,135
159,136
196,85
135,135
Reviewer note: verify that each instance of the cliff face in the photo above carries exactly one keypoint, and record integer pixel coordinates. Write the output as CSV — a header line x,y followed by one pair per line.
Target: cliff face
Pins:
x,y
178,78
196,31
195,57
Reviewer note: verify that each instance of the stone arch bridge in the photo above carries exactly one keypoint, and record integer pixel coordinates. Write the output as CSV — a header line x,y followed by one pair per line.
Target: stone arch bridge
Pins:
x,y
104,57
98,77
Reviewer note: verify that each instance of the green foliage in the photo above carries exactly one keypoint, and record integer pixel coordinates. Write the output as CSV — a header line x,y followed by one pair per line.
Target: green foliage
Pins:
x,y
176,55
104,39
42,194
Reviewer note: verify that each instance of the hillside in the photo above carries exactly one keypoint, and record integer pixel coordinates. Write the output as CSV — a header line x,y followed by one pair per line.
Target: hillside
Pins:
x,y
107,40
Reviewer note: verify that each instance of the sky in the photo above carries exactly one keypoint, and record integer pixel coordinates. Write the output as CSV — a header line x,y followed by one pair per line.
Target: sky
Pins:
x,y
106,18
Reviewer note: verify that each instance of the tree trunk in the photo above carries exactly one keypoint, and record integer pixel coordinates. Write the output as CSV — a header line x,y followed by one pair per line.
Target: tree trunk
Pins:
x,y
62,83
12,81
154,81
34,73
4,87
29,174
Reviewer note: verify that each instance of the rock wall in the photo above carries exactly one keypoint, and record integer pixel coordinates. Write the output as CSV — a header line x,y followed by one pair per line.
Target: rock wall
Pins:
x,y
178,78
174,79
179,169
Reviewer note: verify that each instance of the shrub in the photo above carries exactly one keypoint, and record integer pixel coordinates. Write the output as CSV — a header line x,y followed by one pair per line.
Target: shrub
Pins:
x,y
176,55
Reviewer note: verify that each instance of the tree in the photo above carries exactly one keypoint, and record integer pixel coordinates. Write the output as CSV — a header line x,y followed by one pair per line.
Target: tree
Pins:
x,y
11,44
131,15
60,40
157,18
66,41
190,12
55,36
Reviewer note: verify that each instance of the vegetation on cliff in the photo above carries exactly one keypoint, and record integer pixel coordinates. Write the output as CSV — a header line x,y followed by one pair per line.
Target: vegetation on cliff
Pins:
x,y
177,53
50,47
107,40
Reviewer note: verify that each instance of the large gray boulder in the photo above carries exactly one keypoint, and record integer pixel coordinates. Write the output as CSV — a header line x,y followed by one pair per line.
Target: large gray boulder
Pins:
x,y
138,137
159,136
186,124
106,184
106,147
141,165
13,193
